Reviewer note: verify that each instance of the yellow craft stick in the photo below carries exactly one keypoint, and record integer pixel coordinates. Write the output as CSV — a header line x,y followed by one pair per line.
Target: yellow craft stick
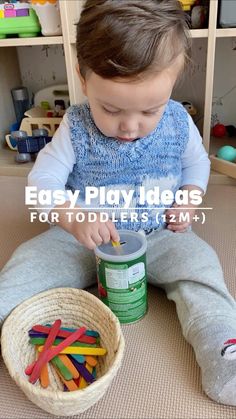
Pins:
x,y
91,360
79,350
82,383
115,244
67,362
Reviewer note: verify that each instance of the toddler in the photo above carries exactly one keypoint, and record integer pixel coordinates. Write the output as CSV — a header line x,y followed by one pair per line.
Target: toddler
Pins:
x,y
130,134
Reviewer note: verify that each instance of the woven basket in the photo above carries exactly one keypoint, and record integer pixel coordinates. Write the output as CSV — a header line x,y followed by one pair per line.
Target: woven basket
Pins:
x,y
75,308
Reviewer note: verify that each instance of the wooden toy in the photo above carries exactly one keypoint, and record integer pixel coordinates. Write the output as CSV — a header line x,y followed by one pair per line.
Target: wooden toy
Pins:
x,y
59,349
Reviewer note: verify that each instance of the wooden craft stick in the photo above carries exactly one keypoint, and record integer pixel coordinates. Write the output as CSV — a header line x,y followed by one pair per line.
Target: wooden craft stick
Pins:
x,y
70,384
93,333
50,339
69,364
90,360
64,333
65,372
83,371
79,358
115,244
44,376
74,350
41,341
48,354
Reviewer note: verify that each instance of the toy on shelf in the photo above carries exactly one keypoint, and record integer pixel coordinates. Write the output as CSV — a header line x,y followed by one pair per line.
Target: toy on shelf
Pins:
x,y
18,19
198,12
225,161
220,130
49,16
227,152
189,107
28,147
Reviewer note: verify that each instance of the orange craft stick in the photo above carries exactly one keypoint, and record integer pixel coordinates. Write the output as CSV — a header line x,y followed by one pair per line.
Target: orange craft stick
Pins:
x,y
70,384
47,355
91,360
49,341
67,362
44,376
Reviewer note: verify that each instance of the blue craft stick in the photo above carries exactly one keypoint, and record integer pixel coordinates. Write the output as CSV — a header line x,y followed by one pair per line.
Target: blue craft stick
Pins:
x,y
79,358
94,373
82,370
93,333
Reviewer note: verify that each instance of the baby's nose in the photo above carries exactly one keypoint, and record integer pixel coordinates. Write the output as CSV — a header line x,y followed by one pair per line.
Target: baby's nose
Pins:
x,y
129,126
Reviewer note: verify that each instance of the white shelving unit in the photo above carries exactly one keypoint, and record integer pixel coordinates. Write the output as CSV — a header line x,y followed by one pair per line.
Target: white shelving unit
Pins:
x,y
70,12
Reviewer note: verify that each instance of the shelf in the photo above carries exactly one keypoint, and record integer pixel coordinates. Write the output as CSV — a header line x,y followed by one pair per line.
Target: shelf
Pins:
x,y
226,32
40,40
199,33
8,166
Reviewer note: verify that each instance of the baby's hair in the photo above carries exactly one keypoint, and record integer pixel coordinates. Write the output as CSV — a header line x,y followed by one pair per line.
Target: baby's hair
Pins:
x,y
125,38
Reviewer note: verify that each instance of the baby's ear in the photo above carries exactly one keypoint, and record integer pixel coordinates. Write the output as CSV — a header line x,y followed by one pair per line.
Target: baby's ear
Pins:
x,y
82,80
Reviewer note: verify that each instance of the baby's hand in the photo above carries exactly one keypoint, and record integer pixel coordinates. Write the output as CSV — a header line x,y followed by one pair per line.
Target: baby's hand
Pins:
x,y
92,234
174,223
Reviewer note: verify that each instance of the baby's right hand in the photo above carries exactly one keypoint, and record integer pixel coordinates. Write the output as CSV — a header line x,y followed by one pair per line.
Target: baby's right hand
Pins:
x,y
92,234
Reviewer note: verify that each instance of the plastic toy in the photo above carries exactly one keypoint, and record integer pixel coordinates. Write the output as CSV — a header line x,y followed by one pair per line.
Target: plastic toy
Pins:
x,y
18,19
187,4
219,130
189,107
28,147
49,16
227,153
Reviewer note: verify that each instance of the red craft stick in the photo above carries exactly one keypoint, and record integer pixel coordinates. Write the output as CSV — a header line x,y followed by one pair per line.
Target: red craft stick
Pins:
x,y
48,354
63,333
48,343
56,326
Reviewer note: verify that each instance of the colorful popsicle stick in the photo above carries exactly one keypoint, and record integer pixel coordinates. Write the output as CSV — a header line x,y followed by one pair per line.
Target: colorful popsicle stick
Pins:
x,y
70,384
79,358
48,354
64,333
91,360
69,364
41,341
93,333
83,371
75,350
65,372
50,339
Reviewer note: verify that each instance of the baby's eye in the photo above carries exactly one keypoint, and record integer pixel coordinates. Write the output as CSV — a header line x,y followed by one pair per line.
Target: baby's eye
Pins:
x,y
151,113
111,112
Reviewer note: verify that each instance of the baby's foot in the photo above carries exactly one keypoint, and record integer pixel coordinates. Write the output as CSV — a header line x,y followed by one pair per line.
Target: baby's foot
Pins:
x,y
216,355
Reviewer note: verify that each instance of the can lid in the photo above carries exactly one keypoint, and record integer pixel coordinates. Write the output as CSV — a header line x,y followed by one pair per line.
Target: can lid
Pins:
x,y
133,245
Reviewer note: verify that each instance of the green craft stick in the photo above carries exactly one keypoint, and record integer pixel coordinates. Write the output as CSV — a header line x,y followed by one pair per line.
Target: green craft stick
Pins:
x,y
62,368
41,341
77,350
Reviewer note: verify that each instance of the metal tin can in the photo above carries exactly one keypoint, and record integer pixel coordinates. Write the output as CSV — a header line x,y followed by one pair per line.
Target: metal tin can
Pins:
x,y
121,275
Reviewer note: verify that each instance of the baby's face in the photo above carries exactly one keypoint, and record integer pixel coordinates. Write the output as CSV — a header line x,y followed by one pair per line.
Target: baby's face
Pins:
x,y
127,110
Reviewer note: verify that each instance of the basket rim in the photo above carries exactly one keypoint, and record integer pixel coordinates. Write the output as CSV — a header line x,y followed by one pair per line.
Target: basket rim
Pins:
x,y
26,386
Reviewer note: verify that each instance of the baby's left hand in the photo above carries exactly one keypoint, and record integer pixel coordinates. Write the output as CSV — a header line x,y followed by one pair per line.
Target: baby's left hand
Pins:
x,y
173,220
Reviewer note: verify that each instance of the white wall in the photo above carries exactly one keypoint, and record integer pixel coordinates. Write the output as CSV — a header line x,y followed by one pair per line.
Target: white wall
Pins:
x,y
42,66
224,98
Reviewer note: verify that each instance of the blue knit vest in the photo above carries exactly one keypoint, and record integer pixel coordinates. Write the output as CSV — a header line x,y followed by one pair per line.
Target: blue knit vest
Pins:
x,y
151,161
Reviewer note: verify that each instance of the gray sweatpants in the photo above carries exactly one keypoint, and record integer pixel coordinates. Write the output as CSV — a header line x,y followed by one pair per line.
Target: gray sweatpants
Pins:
x,y
182,264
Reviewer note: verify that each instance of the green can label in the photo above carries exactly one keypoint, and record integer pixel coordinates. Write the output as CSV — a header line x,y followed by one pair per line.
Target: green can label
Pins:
x,y
122,286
